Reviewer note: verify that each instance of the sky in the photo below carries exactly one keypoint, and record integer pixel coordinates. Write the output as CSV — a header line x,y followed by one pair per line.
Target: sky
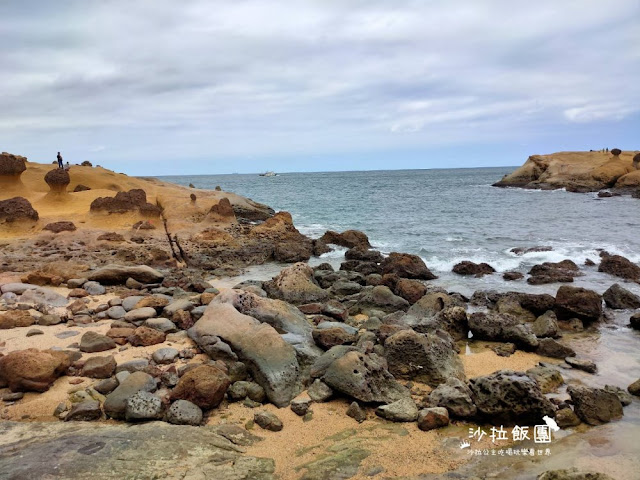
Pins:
x,y
154,87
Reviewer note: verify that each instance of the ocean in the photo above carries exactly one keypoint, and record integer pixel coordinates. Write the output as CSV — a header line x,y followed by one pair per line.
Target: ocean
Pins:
x,y
449,215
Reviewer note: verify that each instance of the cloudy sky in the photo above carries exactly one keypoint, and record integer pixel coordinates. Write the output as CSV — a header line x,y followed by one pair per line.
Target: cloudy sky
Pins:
x,y
166,87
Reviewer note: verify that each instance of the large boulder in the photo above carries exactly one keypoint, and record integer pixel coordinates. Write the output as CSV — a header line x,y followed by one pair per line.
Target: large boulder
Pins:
x,y
16,318
203,386
349,239
620,298
619,266
12,165
132,201
573,302
118,274
17,209
469,268
509,397
271,361
406,265
57,179
430,358
502,327
296,284
595,406
364,377
549,272
32,369
92,342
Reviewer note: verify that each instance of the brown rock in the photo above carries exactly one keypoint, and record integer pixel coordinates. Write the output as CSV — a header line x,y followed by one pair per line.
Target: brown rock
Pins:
x,y
223,209
619,266
58,227
145,336
132,201
15,209
12,165
32,369
349,239
57,179
330,337
469,268
111,237
405,265
204,386
410,290
152,301
81,188
16,318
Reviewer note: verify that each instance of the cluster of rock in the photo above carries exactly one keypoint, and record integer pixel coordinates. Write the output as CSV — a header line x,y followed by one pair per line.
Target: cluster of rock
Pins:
x,y
367,332
134,200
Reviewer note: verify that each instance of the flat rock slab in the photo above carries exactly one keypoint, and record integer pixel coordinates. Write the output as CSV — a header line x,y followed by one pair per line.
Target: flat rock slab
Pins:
x,y
79,450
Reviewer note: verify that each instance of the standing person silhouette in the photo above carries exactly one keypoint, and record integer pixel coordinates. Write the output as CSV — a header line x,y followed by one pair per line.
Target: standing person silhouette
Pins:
x,y
60,165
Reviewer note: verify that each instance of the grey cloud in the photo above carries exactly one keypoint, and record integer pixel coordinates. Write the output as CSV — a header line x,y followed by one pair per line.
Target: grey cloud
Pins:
x,y
268,78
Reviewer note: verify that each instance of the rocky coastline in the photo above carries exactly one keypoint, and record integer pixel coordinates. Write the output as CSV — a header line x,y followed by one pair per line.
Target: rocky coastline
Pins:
x,y
117,337
610,173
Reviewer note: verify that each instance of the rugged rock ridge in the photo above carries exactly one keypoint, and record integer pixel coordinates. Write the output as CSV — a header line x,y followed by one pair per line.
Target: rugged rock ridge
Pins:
x,y
577,172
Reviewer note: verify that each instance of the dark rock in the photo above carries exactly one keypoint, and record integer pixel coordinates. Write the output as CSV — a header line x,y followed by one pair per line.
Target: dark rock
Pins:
x,y
512,276
549,347
565,418
356,412
502,328
620,298
619,266
58,227
116,402
12,165
84,412
17,209
582,364
524,250
469,268
405,265
81,188
549,379
509,397
349,239
183,412
634,388
455,396
363,255
132,201
95,342
143,406
546,325
430,358
268,421
57,179
595,406
572,302
364,378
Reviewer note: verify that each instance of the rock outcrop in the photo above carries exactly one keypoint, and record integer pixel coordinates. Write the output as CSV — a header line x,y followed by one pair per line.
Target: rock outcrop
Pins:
x,y
58,179
132,201
17,209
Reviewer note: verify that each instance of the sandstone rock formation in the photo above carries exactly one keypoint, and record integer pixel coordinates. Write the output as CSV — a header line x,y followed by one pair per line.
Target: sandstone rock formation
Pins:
x,y
132,201
17,209
58,179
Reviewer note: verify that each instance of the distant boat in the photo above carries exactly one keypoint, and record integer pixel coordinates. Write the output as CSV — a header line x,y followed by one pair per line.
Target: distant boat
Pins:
x,y
269,174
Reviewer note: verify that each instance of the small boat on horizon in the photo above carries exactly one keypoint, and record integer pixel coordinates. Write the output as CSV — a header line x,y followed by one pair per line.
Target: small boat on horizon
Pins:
x,y
269,174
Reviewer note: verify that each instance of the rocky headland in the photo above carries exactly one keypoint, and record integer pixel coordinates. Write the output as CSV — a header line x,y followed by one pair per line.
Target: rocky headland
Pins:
x,y
615,171
125,354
